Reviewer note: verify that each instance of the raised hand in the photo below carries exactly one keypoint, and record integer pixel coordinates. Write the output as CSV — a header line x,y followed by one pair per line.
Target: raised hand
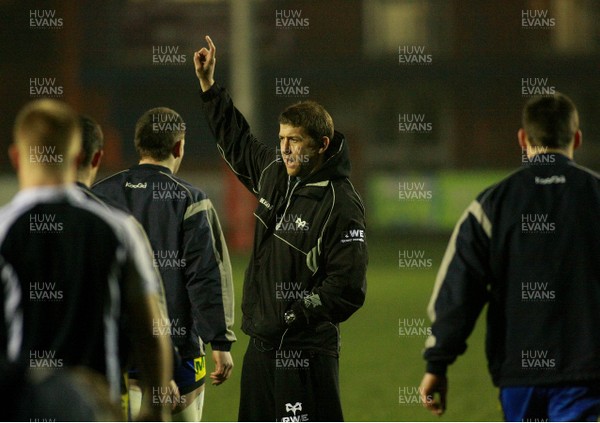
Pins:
x,y
204,62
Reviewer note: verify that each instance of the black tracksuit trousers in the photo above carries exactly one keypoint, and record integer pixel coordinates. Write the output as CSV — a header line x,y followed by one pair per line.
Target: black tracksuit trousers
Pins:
x,y
289,385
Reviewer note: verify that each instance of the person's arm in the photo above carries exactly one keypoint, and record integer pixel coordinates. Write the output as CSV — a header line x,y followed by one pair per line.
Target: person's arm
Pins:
x,y
459,295
11,321
141,303
209,284
244,154
343,259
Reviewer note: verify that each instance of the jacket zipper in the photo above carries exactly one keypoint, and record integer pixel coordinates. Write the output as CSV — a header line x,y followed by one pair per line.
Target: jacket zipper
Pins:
x,y
289,200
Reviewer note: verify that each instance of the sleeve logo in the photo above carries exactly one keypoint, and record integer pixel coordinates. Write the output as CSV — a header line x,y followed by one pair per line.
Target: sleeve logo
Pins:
x,y
353,235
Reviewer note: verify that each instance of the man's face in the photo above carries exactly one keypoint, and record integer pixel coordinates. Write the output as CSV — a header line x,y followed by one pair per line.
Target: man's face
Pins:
x,y
299,152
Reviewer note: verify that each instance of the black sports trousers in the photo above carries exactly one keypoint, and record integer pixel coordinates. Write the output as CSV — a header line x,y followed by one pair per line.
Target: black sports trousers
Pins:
x,y
289,385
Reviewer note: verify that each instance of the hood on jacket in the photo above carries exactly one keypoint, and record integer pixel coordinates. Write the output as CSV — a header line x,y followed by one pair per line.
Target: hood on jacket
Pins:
x,y
337,165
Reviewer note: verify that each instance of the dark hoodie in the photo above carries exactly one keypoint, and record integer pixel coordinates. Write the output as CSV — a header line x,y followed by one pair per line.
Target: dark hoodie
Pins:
x,y
310,251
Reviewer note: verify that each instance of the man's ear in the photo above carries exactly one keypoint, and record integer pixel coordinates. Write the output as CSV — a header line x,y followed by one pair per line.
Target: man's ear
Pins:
x,y
97,158
522,137
13,154
177,149
324,145
79,159
578,140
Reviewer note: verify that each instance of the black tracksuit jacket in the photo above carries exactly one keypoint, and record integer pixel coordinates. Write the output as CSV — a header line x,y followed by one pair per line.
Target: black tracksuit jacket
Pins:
x,y
310,251
528,246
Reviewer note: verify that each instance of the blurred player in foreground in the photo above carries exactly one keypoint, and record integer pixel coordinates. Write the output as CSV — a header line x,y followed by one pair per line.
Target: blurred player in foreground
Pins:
x,y
308,267
77,269
529,247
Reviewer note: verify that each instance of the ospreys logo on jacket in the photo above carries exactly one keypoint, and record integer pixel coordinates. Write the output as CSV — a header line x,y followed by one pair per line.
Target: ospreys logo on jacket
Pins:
x,y
310,234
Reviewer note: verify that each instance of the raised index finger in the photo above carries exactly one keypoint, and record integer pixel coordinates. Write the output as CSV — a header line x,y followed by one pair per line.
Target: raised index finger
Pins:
x,y
211,46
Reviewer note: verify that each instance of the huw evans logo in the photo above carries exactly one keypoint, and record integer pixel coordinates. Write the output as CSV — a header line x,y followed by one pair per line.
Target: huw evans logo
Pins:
x,y
413,259
411,395
168,191
45,223
288,359
537,155
45,87
167,55
536,86
168,259
44,291
536,223
165,122
413,55
536,292
167,396
413,123
300,158
413,327
170,327
290,19
536,19
42,359
290,291
44,19
537,360
45,154
291,87
291,223
413,191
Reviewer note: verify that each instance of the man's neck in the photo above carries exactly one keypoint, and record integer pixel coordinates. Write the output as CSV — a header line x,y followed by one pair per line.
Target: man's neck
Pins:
x,y
535,150
165,163
85,178
31,179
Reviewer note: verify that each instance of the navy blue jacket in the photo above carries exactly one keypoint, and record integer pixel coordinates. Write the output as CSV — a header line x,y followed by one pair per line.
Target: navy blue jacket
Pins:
x,y
189,251
529,247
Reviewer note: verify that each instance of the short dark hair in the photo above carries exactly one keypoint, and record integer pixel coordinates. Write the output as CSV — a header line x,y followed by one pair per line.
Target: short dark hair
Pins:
x,y
48,122
311,116
550,121
92,139
157,131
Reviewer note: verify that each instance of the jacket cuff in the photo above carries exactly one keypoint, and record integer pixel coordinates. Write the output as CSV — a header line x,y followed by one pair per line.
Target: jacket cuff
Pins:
x,y
213,92
437,368
221,346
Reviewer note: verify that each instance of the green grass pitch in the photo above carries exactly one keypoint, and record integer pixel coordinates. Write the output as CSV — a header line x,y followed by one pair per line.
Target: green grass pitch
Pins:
x,y
379,368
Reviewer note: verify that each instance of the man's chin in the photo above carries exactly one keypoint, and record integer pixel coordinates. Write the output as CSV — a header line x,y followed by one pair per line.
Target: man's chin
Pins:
x,y
292,171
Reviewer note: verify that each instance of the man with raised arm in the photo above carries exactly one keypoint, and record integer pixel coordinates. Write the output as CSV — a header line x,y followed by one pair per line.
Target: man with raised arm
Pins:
x,y
308,267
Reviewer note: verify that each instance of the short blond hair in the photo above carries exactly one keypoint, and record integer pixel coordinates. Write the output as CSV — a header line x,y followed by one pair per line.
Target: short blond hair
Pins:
x,y
48,123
